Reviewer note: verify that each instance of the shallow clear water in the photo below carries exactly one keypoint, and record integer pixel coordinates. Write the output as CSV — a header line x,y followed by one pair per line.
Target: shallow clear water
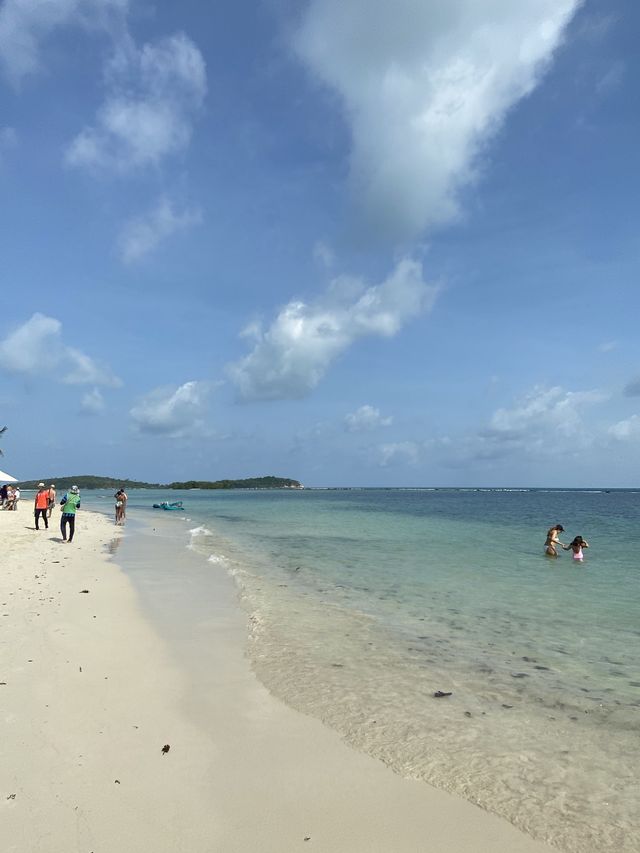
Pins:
x,y
364,603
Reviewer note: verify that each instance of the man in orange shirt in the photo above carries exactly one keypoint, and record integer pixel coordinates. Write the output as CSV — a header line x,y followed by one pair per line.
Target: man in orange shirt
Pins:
x,y
41,506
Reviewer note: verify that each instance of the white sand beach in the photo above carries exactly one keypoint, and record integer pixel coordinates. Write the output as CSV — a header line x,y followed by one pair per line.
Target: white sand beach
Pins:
x,y
91,692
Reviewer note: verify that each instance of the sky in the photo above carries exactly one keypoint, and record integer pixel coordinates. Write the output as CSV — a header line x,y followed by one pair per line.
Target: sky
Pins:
x,y
349,242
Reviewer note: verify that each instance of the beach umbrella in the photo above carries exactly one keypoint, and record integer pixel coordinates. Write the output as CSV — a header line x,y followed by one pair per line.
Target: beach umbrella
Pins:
x,y
7,478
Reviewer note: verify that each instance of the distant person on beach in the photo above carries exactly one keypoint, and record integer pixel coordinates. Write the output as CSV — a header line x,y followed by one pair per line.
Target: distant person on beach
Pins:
x,y
70,503
576,546
16,497
52,498
553,540
3,495
10,497
41,506
121,505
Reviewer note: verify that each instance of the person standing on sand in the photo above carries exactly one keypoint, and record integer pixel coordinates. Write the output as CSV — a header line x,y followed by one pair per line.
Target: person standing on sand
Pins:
x,y
52,498
70,503
553,540
121,505
41,505
16,497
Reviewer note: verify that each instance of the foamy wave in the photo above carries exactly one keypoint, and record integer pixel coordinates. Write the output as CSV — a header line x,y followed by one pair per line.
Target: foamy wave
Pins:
x,y
218,558
195,533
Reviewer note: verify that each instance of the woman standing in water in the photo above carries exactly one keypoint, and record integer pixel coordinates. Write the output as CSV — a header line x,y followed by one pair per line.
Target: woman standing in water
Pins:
x,y
553,540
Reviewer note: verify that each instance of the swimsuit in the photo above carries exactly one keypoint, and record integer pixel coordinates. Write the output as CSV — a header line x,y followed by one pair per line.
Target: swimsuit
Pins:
x,y
578,555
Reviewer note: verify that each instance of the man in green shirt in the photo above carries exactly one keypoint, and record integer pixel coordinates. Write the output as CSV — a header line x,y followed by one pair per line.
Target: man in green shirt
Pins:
x,y
70,503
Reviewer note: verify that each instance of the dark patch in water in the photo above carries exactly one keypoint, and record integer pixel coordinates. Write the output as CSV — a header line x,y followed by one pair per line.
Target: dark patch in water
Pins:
x,y
519,675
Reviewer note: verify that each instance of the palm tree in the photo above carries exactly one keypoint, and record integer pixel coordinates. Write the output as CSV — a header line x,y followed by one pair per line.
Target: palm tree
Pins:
x,y
2,432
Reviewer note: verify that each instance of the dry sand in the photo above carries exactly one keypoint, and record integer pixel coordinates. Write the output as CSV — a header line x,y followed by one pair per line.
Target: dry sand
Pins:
x,y
91,693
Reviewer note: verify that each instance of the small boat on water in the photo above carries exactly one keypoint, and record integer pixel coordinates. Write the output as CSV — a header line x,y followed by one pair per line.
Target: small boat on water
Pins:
x,y
167,505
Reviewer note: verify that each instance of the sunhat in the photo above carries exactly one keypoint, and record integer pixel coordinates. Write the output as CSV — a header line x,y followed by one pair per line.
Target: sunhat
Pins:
x,y
41,485
75,489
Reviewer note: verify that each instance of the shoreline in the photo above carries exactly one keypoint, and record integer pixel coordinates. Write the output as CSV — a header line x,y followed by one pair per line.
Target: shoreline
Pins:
x,y
97,683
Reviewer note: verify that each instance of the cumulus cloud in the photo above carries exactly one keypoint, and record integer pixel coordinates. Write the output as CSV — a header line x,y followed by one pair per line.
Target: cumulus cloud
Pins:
x,y
627,429
398,453
26,24
143,234
36,348
545,408
545,421
153,95
172,411
424,86
291,357
366,418
92,403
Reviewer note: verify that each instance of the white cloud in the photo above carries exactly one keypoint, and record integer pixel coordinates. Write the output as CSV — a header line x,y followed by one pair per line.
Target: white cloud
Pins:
x,y
26,24
627,429
172,411
153,94
545,408
92,402
608,346
142,234
36,348
366,418
424,86
398,453
545,422
292,356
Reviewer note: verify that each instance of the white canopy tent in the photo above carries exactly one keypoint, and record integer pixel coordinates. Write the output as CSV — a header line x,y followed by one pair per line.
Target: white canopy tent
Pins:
x,y
7,478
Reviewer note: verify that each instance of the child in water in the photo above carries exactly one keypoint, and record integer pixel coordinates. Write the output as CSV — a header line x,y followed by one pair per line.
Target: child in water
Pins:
x,y
576,546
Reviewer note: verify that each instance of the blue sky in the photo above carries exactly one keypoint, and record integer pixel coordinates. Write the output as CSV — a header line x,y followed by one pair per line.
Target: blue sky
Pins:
x,y
354,243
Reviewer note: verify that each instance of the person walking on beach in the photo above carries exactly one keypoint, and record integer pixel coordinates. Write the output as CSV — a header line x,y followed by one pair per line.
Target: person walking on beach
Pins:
x,y
70,503
16,497
41,506
553,540
52,498
576,546
121,505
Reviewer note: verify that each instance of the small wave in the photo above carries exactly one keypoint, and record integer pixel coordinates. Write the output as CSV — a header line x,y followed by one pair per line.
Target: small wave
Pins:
x,y
195,533
219,559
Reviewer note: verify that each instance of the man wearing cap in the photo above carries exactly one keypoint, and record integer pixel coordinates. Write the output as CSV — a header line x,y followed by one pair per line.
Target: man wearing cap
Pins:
x,y
52,498
41,505
69,503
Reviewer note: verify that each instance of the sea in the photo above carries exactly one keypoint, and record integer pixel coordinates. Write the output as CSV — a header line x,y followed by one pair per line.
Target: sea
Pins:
x,y
364,606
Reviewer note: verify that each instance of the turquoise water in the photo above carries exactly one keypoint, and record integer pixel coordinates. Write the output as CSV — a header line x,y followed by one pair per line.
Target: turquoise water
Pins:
x,y
363,603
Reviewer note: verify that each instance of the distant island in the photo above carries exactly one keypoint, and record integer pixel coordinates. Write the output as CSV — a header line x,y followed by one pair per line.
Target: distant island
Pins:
x,y
89,481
